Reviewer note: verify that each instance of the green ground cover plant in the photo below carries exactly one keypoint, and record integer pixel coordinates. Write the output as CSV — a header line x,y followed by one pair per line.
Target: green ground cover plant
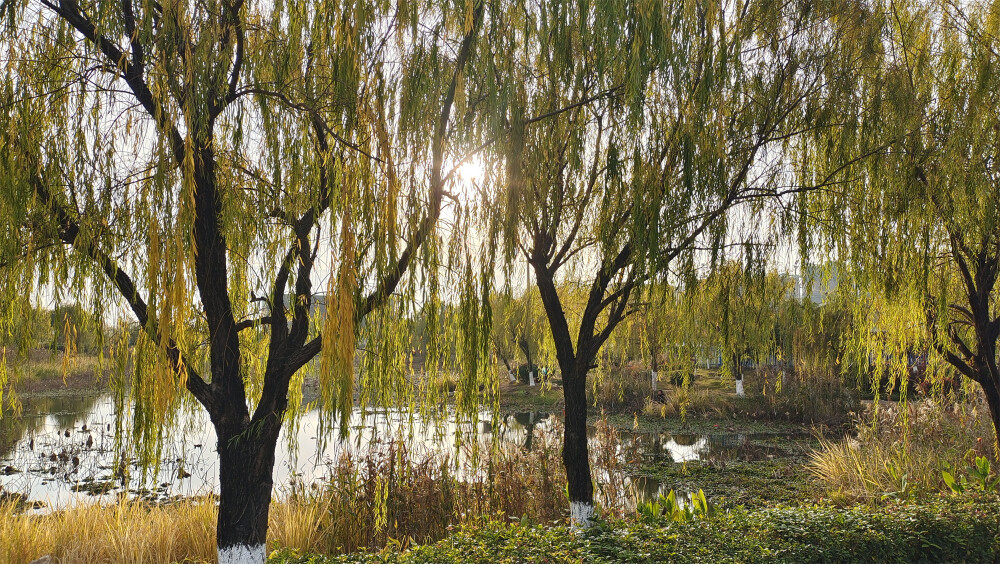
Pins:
x,y
948,529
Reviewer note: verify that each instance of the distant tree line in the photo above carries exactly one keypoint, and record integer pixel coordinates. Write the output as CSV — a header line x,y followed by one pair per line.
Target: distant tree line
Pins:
x,y
64,328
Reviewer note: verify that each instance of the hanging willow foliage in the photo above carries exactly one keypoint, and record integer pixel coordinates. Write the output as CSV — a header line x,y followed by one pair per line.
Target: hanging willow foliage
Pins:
x,y
913,205
256,185
301,121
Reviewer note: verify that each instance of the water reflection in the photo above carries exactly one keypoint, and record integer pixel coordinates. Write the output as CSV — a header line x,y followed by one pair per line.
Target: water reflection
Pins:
x,y
528,421
61,450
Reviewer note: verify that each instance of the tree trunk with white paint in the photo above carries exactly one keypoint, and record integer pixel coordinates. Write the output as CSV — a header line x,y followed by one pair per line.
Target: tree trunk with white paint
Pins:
x,y
246,463
738,374
576,456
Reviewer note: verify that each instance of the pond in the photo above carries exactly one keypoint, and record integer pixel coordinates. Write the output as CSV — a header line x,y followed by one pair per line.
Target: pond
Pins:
x,y
61,450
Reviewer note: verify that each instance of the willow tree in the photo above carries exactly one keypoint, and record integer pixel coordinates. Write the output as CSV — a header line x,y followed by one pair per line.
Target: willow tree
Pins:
x,y
518,327
666,118
202,167
916,219
738,306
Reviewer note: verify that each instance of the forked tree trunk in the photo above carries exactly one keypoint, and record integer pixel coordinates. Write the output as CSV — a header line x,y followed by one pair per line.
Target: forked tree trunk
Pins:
x,y
246,464
574,365
576,457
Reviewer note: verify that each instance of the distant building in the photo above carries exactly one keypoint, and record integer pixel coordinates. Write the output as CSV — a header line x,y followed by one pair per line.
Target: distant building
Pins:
x,y
816,282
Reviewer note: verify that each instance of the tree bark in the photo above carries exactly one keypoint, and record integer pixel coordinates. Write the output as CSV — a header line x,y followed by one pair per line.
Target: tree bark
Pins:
x,y
246,464
738,375
576,455
993,401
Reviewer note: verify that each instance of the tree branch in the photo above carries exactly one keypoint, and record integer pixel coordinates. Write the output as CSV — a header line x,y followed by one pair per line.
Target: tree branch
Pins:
x,y
70,12
391,279
69,233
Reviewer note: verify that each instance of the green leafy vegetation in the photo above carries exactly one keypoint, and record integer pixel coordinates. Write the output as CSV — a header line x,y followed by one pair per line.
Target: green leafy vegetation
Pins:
x,y
936,532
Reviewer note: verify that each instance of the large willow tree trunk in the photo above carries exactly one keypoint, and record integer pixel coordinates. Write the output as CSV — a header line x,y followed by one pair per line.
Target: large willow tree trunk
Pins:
x,y
246,464
576,457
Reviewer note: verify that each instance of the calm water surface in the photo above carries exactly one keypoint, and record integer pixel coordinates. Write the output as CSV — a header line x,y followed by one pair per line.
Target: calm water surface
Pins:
x,y
61,451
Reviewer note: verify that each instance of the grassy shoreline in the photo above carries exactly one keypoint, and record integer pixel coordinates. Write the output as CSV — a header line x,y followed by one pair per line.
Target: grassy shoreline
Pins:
x,y
945,529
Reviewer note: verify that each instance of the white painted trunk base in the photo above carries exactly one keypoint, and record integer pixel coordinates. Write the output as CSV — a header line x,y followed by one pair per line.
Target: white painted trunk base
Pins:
x,y
242,554
531,378
510,375
653,380
579,514
739,388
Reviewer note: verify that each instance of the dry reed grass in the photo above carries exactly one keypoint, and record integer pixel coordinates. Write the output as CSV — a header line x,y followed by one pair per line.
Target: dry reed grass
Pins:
x,y
390,496
622,390
902,450
811,397
394,496
128,532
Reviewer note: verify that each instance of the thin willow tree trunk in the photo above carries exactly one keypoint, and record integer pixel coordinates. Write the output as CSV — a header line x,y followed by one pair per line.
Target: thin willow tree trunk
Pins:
x,y
738,375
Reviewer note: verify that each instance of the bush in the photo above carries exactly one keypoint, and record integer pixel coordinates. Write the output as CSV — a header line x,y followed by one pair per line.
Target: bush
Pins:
x,y
522,373
621,390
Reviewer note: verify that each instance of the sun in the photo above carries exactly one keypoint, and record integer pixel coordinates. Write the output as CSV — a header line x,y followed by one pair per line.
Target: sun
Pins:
x,y
471,171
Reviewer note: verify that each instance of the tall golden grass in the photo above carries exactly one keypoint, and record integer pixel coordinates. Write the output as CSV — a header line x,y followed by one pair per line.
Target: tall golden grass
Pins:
x,y
128,532
902,450
388,496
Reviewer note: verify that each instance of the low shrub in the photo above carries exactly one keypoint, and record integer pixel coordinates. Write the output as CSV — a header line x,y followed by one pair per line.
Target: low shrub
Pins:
x,y
621,390
522,373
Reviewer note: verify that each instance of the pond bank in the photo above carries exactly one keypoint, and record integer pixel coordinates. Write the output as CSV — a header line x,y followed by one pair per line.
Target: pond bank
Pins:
x,y
948,529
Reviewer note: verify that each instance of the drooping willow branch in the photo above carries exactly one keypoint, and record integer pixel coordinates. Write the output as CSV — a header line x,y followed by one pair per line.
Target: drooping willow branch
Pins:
x,y
69,234
298,355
